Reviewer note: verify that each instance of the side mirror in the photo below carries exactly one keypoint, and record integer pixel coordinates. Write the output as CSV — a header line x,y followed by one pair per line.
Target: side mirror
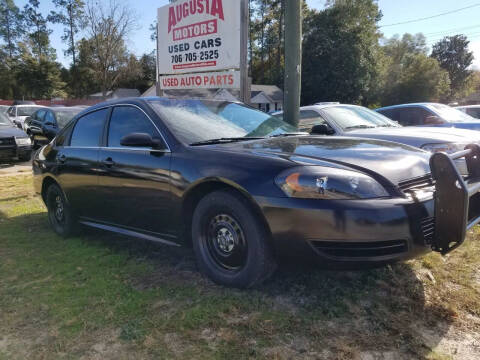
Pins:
x,y
19,125
433,120
49,123
322,129
141,140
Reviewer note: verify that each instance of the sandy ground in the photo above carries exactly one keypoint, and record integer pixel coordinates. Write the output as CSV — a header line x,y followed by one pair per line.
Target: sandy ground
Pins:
x,y
15,168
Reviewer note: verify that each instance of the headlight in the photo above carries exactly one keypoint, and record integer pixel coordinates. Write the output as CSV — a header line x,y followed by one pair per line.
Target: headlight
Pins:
x,y
447,148
23,141
317,182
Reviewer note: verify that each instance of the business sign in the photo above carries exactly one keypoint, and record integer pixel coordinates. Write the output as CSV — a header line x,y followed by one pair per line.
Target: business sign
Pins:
x,y
199,35
205,80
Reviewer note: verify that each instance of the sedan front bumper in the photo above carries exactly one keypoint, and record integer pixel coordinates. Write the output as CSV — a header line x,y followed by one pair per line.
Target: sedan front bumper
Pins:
x,y
350,230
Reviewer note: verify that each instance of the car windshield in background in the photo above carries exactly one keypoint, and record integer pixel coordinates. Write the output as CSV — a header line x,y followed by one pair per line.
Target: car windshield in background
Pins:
x,y
357,117
450,114
194,121
4,120
26,110
64,116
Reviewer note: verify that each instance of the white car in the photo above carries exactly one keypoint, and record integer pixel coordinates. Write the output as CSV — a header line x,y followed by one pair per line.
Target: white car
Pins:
x,y
472,110
18,113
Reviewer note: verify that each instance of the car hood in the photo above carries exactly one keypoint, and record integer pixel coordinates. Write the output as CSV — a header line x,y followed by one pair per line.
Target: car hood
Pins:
x,y
9,131
419,136
472,125
380,159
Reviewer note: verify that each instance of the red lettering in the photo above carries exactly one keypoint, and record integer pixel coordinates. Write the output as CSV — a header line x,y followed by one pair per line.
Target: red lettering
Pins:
x,y
185,10
172,20
217,9
230,79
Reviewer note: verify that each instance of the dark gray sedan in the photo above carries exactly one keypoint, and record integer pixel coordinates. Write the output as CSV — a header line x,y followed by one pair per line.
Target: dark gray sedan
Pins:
x,y
357,121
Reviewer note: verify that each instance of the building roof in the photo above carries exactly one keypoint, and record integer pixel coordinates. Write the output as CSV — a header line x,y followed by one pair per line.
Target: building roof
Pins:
x,y
118,93
272,91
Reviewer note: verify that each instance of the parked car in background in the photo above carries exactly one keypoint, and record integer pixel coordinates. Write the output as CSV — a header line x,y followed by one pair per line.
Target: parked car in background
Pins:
x,y
14,143
18,113
44,124
244,188
472,110
430,114
4,109
357,121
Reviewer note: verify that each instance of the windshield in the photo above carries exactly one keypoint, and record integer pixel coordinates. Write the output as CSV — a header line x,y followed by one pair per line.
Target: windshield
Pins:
x,y
357,117
26,110
448,113
4,120
194,121
64,116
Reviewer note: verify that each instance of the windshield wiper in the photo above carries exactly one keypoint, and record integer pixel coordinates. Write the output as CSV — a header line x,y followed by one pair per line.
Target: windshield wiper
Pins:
x,y
359,127
223,140
289,134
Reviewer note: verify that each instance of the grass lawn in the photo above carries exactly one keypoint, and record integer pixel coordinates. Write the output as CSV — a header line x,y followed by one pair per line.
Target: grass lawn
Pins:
x,y
101,296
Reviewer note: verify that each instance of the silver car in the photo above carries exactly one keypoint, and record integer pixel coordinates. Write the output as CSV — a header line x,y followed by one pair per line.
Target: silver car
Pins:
x,y
357,121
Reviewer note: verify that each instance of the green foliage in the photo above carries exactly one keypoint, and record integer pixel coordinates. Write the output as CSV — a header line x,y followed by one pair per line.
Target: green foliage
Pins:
x,y
38,32
71,14
38,78
11,21
340,52
453,55
407,74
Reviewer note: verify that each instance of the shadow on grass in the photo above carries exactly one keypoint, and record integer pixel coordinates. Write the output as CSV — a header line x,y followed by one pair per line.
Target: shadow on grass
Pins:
x,y
374,311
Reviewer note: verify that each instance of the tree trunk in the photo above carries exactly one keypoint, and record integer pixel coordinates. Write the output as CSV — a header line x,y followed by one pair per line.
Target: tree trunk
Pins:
x,y
72,39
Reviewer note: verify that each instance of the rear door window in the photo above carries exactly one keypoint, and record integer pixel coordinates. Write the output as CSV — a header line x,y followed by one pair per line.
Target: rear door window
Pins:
x,y
88,129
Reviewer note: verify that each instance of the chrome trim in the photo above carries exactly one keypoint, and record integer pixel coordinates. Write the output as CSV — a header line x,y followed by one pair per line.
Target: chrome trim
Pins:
x,y
129,233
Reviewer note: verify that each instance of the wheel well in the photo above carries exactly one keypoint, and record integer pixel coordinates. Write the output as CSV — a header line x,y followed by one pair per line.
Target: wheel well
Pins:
x,y
45,185
199,192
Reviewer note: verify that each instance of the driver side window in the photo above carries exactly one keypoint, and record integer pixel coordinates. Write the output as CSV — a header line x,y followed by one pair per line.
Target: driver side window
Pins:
x,y
308,119
49,118
126,120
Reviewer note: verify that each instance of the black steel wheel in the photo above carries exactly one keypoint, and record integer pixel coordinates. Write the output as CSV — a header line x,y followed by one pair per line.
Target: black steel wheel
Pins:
x,y
231,245
59,213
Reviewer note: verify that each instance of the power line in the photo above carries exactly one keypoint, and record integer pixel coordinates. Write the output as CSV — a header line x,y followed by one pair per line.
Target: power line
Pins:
x,y
469,36
449,31
431,17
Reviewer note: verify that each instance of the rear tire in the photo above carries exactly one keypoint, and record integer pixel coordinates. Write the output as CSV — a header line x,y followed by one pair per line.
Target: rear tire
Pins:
x,y
60,214
231,245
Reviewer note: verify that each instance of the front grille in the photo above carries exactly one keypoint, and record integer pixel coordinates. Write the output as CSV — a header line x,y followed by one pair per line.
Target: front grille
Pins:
x,y
7,141
416,183
428,229
357,250
7,154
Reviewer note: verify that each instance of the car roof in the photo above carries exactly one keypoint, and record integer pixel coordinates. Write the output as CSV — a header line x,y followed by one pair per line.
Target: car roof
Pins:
x,y
468,106
30,105
320,106
406,105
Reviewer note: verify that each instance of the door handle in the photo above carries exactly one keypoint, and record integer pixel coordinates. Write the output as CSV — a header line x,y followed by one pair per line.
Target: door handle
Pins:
x,y
108,162
61,159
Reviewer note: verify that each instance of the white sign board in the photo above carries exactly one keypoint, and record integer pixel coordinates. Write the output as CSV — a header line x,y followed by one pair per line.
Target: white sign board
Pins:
x,y
199,35
205,80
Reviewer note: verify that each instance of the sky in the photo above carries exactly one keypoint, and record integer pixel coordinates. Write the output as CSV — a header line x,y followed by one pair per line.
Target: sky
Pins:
x,y
465,21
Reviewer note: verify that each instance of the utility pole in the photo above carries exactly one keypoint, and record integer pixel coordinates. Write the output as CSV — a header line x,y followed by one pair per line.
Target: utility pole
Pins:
x,y
293,61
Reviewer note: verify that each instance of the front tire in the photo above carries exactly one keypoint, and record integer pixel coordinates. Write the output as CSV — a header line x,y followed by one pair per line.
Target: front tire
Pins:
x,y
230,243
60,214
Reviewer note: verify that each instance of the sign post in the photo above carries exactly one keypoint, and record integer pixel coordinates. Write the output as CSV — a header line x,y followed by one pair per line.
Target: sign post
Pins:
x,y
203,44
293,61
